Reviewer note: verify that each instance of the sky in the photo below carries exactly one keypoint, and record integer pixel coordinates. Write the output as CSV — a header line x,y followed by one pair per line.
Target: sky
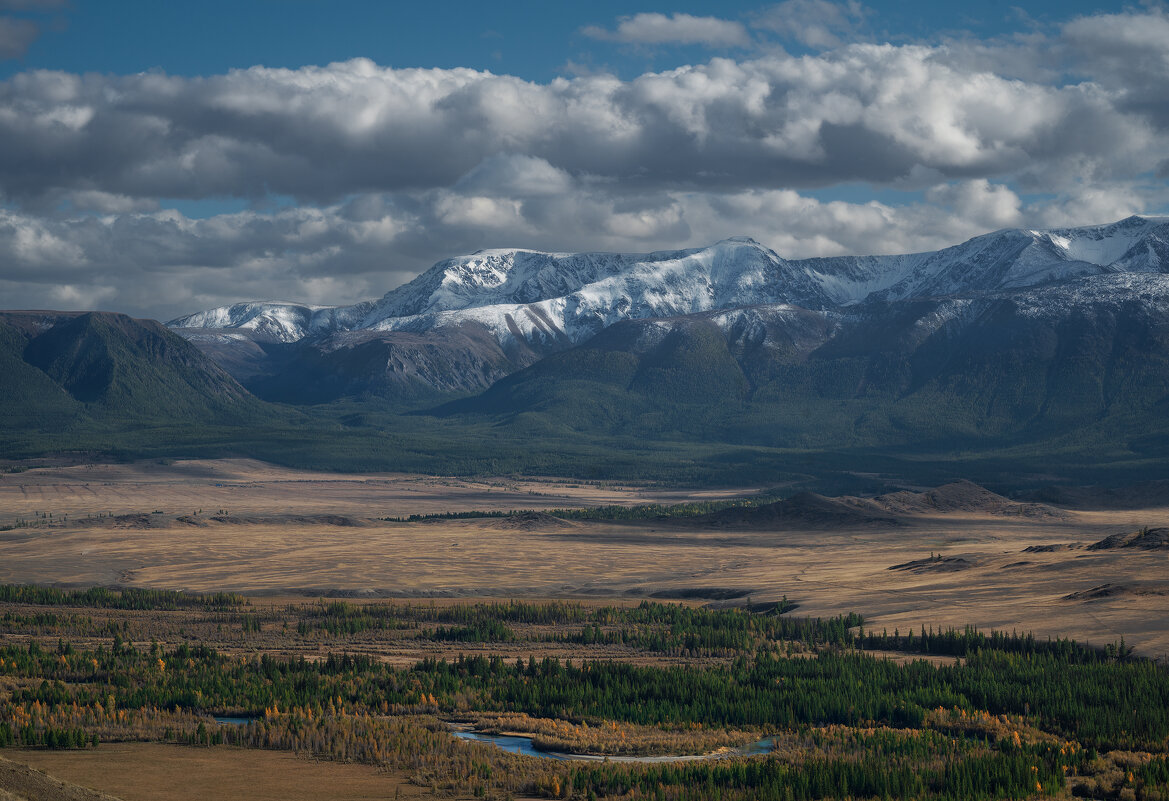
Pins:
x,y
163,158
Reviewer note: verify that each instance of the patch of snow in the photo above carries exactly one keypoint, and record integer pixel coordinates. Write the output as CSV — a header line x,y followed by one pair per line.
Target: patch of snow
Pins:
x,y
544,297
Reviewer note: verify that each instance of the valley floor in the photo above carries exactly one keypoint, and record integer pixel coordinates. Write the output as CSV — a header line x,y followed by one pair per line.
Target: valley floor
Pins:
x,y
266,531
160,772
365,635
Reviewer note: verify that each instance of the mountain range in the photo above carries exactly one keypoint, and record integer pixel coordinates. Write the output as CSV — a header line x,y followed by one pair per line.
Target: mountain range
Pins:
x,y
1046,304
1024,344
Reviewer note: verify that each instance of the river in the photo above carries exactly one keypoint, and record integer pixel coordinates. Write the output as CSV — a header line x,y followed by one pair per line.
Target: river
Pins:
x,y
518,744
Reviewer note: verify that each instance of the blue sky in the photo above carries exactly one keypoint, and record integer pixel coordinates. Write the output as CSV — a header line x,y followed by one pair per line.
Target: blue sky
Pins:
x,y
161,157
531,39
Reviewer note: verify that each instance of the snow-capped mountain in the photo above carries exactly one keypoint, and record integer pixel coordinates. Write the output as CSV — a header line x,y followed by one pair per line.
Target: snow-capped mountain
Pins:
x,y
470,320
568,297
276,321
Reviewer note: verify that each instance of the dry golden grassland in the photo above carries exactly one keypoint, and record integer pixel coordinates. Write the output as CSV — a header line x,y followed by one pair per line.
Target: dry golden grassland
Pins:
x,y
286,532
156,772
248,487
20,782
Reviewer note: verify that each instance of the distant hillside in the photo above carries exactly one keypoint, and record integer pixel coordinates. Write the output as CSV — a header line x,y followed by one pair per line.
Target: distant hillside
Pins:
x,y
807,510
19,782
998,371
958,496
61,371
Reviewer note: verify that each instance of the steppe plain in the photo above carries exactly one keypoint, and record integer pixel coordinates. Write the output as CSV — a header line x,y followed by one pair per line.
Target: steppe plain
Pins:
x,y
272,533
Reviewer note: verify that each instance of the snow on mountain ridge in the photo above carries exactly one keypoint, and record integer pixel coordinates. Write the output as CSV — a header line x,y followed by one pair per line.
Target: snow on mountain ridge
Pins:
x,y
565,297
550,296
276,320
1103,245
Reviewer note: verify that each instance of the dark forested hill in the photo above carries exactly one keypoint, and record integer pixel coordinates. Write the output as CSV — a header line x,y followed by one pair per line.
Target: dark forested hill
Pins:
x,y
74,371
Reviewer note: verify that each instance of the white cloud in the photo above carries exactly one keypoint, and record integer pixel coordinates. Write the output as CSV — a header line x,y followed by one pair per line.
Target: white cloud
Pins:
x,y
107,203
396,168
515,175
1129,55
70,297
1137,42
980,203
1090,205
164,264
659,29
872,113
819,24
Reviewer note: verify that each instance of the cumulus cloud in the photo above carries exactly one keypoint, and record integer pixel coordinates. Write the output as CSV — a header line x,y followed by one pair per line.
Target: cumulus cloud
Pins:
x,y
659,29
396,168
818,24
1135,43
515,175
164,264
1128,54
979,203
160,264
874,113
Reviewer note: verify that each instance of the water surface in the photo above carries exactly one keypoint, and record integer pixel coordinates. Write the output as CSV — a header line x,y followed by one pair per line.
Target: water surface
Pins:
x,y
517,744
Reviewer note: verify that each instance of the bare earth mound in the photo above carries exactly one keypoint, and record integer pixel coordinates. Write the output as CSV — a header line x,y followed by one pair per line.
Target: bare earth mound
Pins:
x,y
1118,591
938,564
811,511
962,496
23,783
1146,539
1053,548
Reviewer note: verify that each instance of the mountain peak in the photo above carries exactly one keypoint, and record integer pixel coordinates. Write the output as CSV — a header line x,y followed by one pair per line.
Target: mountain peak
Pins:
x,y
536,297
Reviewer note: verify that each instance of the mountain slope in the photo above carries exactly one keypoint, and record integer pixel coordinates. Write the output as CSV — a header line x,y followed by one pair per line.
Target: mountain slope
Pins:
x,y
30,400
101,366
1019,350
948,373
405,366
276,321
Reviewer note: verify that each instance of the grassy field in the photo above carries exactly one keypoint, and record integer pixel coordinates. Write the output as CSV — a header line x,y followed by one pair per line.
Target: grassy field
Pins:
x,y
157,772
270,531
